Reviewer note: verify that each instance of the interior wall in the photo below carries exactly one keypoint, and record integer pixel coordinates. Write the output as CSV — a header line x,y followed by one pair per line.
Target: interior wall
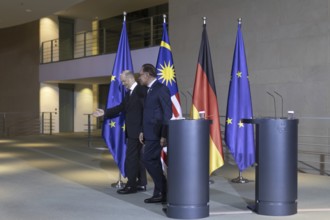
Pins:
x,y
48,28
19,78
49,92
49,33
286,43
83,105
49,103
287,51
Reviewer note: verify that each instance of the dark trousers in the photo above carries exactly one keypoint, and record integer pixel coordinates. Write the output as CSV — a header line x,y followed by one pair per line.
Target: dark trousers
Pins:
x,y
134,168
151,159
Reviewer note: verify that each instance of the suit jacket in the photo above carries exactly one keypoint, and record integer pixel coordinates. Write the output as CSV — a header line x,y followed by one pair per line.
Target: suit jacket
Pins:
x,y
157,112
132,107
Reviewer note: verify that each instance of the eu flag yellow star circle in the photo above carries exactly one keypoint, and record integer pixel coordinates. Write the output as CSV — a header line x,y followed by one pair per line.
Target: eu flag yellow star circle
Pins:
x,y
112,124
240,124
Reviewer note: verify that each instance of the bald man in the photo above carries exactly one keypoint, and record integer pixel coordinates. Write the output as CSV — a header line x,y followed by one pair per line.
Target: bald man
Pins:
x,y
132,107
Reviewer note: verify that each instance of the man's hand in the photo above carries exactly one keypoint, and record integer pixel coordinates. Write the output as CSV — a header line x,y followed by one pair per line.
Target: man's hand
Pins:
x,y
98,113
141,138
163,142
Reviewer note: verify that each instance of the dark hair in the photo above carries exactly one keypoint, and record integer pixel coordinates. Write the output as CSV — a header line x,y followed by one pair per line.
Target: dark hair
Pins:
x,y
149,68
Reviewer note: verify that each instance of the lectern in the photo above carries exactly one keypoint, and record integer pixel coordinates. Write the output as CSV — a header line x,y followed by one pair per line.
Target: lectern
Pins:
x,y
276,170
188,169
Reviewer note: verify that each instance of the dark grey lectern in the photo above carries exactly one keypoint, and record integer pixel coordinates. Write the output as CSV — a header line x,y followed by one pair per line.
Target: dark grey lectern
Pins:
x,y
188,169
276,170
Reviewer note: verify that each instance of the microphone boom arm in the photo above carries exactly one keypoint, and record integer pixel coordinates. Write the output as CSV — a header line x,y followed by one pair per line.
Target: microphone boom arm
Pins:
x,y
274,102
281,100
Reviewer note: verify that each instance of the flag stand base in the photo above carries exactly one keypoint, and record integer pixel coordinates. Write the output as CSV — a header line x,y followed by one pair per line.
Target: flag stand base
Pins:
x,y
119,184
240,179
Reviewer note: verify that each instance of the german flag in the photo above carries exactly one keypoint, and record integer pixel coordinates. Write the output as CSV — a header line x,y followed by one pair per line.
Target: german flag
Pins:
x,y
205,99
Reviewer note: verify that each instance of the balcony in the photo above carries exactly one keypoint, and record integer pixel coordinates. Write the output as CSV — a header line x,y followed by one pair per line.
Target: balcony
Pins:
x,y
142,33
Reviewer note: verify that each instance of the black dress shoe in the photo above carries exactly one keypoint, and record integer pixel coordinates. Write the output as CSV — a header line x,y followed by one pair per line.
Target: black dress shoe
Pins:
x,y
156,199
127,190
141,188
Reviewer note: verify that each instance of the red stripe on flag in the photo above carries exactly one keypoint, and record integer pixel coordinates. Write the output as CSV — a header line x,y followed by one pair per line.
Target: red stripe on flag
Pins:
x,y
176,106
174,111
206,100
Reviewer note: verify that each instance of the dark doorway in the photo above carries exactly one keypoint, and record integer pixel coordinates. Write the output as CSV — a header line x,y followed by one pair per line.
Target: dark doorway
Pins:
x,y
66,112
66,38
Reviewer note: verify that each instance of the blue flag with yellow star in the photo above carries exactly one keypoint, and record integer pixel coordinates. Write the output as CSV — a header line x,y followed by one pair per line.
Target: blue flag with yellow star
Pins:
x,y
113,131
166,73
239,137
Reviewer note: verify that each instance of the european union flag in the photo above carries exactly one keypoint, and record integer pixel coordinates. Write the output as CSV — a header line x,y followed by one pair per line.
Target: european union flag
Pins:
x,y
166,73
113,131
239,137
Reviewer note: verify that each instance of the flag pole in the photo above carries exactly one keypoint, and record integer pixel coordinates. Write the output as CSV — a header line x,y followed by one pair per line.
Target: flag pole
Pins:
x,y
120,184
210,180
240,178
239,20
124,14
164,18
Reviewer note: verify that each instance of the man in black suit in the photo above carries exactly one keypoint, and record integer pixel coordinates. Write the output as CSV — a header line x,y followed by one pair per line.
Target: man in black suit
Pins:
x,y
157,111
132,107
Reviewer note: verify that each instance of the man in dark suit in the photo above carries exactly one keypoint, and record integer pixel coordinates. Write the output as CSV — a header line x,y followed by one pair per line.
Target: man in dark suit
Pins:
x,y
132,107
157,111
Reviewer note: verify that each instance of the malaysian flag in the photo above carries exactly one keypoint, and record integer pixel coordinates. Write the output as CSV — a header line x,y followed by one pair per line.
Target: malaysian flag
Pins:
x,y
166,75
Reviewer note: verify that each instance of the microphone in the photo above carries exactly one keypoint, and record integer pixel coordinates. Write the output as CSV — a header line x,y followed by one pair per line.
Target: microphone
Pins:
x,y
191,97
274,102
185,97
281,100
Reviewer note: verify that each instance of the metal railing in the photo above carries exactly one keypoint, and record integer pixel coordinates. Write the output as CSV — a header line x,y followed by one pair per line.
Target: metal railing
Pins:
x,y
146,32
313,136
18,123
89,129
47,122
314,145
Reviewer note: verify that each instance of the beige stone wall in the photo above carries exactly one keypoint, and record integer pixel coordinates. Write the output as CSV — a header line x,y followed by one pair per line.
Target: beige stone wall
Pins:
x,y
19,76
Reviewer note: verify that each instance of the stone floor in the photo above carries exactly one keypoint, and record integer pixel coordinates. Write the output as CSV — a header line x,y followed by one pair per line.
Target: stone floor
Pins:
x,y
62,177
